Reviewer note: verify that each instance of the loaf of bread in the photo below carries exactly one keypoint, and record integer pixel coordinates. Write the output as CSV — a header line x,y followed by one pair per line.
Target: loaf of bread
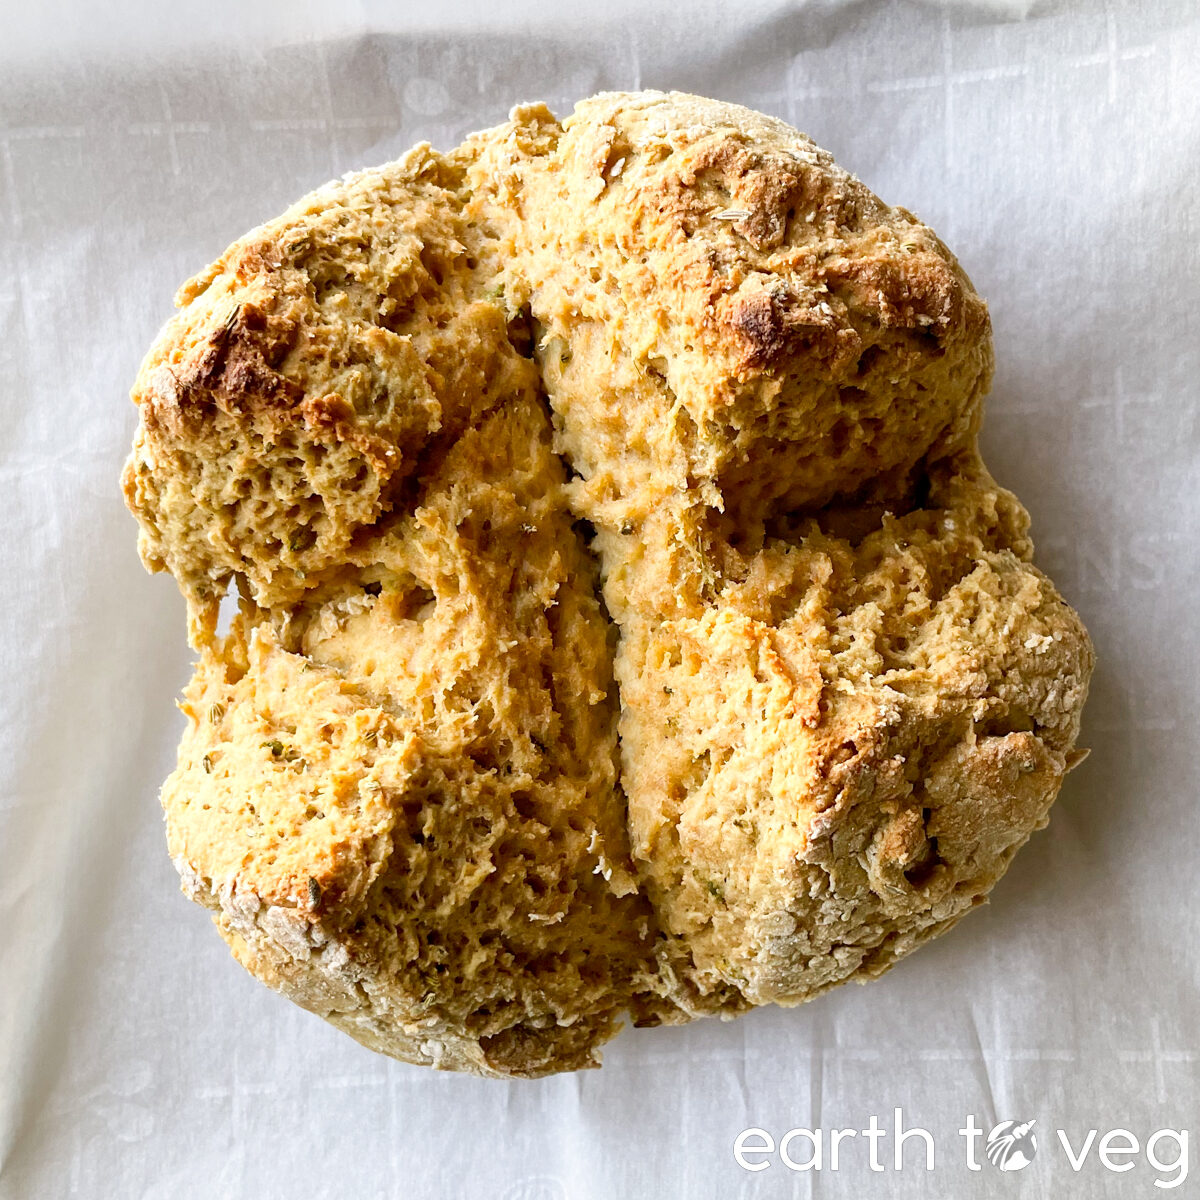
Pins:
x,y
626,622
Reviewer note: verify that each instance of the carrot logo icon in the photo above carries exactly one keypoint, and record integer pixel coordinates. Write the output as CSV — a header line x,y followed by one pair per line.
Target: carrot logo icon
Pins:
x,y
1010,1146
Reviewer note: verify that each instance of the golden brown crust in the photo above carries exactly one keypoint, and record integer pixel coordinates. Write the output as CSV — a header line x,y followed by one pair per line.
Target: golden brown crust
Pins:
x,y
437,790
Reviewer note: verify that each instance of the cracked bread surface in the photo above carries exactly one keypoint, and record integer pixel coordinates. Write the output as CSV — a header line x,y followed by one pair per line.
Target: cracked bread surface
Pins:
x,y
627,622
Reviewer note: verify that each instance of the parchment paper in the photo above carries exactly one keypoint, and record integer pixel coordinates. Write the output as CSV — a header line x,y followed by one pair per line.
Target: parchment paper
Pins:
x,y
1055,147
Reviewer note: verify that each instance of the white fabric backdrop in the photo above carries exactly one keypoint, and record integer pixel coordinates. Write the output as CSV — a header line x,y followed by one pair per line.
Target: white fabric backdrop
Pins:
x,y
1055,146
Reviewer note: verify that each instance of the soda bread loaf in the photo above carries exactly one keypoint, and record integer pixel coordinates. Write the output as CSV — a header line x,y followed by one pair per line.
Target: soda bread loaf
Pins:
x,y
626,621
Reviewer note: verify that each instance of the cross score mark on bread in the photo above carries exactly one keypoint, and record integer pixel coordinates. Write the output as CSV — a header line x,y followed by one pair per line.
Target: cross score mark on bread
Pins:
x,y
627,622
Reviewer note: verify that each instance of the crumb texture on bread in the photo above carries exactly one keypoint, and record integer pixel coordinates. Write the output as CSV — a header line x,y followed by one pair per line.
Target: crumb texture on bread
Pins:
x,y
627,623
